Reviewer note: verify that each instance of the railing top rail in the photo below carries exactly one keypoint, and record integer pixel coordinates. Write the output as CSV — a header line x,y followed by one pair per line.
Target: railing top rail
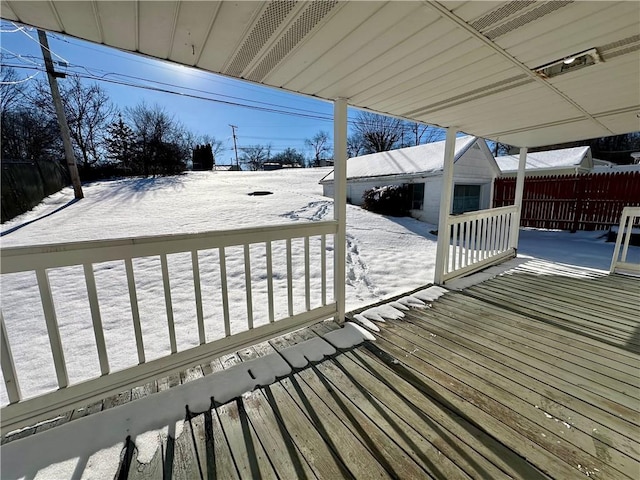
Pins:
x,y
490,212
631,211
21,259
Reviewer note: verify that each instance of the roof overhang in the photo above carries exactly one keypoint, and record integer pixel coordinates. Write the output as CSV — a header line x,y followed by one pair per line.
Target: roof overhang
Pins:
x,y
470,65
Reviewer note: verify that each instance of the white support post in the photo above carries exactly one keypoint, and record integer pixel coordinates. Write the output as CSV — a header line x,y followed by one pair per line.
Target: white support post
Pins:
x,y
515,225
446,198
340,203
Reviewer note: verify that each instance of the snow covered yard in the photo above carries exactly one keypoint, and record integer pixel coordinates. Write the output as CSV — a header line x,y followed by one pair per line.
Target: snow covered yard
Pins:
x,y
385,256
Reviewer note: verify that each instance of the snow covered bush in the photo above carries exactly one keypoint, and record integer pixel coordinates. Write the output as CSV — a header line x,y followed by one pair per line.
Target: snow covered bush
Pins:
x,y
391,200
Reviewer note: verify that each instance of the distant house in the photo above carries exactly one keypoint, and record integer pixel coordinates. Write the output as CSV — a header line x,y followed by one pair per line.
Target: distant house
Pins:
x,y
268,166
420,167
616,168
564,161
224,168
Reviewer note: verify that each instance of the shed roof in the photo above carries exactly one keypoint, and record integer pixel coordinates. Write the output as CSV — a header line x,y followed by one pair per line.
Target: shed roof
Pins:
x,y
421,159
465,64
564,157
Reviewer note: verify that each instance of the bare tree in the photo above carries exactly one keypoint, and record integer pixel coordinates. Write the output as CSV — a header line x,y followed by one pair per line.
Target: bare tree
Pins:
x,y
255,156
88,110
319,143
500,149
290,156
379,132
355,145
12,88
30,134
27,132
163,144
415,133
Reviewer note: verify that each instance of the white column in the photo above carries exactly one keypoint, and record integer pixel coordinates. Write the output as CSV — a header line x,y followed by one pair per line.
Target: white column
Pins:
x,y
446,198
515,226
340,203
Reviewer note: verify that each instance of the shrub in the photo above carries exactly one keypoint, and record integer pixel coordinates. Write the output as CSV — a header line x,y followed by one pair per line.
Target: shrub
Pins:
x,y
390,200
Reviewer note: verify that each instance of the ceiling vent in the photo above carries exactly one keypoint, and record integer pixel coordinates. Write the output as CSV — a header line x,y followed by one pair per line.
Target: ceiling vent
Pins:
x,y
569,64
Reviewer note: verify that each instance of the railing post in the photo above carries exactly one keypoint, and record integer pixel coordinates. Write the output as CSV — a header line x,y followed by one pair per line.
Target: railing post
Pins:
x,y
8,367
619,260
515,219
340,203
445,205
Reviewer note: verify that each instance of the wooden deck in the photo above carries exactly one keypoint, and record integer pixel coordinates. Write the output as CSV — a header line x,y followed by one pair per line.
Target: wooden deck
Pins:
x,y
533,374
528,375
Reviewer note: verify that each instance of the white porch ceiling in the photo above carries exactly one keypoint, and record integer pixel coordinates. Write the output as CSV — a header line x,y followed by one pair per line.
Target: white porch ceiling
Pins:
x,y
463,64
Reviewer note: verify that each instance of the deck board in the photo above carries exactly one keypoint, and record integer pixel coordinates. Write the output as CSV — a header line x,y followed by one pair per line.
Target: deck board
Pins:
x,y
551,345
530,375
564,306
472,449
519,357
500,379
516,377
614,356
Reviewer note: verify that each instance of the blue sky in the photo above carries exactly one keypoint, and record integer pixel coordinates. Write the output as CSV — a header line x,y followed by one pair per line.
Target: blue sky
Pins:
x,y
20,47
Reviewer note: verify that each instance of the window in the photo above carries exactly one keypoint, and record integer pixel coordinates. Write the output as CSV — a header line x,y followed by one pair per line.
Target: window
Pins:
x,y
466,198
416,193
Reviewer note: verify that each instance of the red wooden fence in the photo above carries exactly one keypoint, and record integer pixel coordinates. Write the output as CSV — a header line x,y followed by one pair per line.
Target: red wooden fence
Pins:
x,y
572,202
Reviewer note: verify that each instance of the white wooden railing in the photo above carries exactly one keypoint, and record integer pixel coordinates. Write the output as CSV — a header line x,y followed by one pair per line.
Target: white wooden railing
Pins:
x,y
44,259
619,263
478,239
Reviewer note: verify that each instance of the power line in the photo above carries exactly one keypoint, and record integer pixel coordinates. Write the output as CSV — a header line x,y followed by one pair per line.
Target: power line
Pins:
x,y
102,77
158,63
24,30
192,71
17,82
197,97
17,29
21,57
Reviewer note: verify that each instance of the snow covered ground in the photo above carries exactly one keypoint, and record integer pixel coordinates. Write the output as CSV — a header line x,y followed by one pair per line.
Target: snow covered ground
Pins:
x,y
386,257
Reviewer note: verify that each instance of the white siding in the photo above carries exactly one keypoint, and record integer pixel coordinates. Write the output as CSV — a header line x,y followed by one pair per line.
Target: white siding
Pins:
x,y
475,167
431,208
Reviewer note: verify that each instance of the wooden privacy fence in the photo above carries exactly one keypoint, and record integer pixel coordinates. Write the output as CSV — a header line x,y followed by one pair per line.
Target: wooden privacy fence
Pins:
x,y
572,202
25,183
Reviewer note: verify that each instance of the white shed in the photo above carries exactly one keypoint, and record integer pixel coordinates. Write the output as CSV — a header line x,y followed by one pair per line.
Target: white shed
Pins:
x,y
563,161
421,168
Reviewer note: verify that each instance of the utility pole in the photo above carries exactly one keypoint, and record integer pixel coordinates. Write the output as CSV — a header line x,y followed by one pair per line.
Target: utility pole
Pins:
x,y
62,119
235,146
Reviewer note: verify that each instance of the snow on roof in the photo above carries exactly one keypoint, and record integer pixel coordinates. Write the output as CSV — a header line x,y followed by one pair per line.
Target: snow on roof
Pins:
x,y
565,157
425,158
